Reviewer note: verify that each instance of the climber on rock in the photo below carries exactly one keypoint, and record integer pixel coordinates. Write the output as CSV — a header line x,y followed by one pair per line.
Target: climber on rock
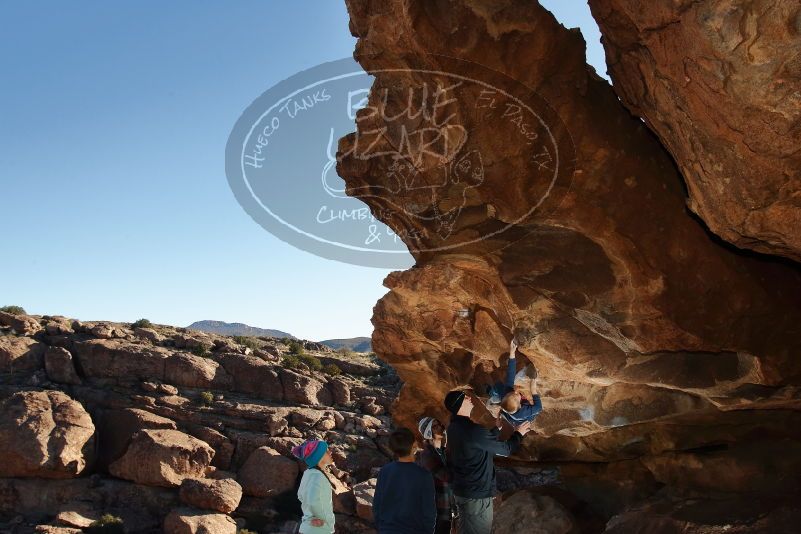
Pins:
x,y
517,395
470,452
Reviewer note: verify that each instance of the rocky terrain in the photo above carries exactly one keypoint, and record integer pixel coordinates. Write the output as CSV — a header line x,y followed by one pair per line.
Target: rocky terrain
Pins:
x,y
235,329
175,431
541,202
355,344
640,240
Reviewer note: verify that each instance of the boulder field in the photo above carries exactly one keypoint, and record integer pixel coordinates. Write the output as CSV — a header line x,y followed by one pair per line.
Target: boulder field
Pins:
x,y
173,430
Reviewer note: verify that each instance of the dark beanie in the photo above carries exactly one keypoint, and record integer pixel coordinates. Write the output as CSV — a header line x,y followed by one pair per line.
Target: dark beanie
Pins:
x,y
453,401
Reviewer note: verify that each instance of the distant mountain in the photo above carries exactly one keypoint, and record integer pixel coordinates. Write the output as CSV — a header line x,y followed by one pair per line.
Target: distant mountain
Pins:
x,y
235,329
356,344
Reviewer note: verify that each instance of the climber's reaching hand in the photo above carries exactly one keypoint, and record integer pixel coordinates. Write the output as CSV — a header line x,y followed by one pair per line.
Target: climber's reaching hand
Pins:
x,y
524,428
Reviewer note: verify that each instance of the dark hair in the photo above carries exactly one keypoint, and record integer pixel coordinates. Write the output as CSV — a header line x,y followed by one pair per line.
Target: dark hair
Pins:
x,y
401,442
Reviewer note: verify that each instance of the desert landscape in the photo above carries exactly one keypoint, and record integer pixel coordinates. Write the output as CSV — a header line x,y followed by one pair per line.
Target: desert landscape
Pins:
x,y
639,240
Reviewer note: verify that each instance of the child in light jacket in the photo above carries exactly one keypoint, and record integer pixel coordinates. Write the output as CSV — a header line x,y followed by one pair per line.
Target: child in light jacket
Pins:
x,y
315,492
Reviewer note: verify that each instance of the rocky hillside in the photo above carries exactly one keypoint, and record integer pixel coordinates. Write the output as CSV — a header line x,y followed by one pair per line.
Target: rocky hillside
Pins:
x,y
235,329
355,344
541,202
173,430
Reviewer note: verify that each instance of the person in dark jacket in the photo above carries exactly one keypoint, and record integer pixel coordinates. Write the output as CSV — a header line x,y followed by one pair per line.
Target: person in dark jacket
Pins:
x,y
404,500
432,457
470,452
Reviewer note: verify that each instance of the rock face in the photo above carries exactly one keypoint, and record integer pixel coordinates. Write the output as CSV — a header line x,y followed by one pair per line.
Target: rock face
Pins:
x,y
60,367
20,354
221,495
718,83
178,416
537,206
540,513
113,358
118,427
364,493
21,324
44,434
189,521
304,390
163,458
267,473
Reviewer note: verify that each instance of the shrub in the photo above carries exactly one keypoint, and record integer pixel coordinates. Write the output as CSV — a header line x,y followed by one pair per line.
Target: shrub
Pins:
x,y
312,362
248,341
13,310
200,350
206,398
107,524
295,361
332,369
142,323
291,361
295,347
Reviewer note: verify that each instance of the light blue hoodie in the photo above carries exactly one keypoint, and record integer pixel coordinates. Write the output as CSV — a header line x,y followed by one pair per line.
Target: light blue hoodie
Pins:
x,y
316,500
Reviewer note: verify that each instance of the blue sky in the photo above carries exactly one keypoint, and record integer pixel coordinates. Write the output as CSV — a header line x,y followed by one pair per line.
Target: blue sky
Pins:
x,y
113,124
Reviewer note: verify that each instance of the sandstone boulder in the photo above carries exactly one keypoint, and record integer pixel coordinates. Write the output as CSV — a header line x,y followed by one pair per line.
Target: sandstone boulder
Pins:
x,y
77,515
53,529
727,515
302,389
117,428
277,423
252,375
24,325
633,314
681,68
340,391
540,514
223,447
196,341
44,434
221,495
114,358
267,473
60,366
57,326
364,493
354,365
18,354
163,458
188,370
370,406
191,521
149,334
106,331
